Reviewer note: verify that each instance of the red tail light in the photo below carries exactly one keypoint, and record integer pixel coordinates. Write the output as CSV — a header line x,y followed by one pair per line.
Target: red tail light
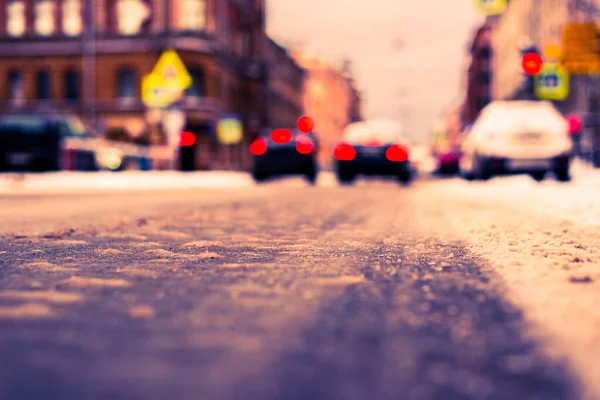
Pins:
x,y
306,124
344,152
187,139
304,145
258,147
574,124
397,153
281,136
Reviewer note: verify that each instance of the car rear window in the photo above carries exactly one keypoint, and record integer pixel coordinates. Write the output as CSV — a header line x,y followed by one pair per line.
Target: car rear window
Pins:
x,y
370,132
512,119
295,135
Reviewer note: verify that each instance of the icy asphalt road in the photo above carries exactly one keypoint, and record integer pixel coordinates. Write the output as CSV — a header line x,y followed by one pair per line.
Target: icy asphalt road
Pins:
x,y
444,290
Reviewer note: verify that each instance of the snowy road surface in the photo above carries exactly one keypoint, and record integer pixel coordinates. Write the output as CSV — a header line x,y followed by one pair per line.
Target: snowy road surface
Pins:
x,y
442,290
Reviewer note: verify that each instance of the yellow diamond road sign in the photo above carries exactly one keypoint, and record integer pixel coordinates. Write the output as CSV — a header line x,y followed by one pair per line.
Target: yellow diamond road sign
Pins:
x,y
155,94
490,7
552,83
172,71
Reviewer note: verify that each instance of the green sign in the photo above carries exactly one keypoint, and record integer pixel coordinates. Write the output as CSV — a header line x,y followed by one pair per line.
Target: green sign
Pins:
x,y
552,83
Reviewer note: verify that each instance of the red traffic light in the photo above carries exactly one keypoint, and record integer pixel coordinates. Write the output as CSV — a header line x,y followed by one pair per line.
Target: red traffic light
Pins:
x,y
532,63
306,124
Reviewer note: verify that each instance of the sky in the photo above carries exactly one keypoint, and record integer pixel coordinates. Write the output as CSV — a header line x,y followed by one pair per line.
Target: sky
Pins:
x,y
428,69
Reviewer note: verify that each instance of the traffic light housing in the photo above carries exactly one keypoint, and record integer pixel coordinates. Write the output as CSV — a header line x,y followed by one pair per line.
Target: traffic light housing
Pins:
x,y
531,54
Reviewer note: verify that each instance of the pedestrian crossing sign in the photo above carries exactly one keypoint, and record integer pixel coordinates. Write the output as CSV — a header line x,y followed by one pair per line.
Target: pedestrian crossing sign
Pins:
x,y
490,7
156,95
172,71
552,83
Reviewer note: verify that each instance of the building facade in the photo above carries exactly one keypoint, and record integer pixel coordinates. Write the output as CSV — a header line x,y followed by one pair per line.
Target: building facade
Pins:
x,y
479,76
286,87
331,99
89,57
512,32
540,23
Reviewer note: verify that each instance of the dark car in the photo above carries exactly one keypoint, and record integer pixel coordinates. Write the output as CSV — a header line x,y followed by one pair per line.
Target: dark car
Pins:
x,y
44,142
285,152
372,148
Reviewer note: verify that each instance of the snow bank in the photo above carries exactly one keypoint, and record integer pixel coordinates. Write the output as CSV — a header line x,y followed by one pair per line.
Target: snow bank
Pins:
x,y
128,180
542,240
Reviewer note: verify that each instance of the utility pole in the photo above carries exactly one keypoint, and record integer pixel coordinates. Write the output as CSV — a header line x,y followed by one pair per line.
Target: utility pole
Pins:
x,y
89,63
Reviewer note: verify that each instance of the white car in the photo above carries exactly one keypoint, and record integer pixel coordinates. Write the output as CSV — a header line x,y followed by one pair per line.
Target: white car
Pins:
x,y
517,137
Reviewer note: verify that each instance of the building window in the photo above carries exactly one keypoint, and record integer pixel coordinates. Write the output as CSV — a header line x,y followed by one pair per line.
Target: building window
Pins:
x,y
126,84
192,15
15,18
43,85
71,17
71,85
198,88
44,17
131,16
15,86
483,78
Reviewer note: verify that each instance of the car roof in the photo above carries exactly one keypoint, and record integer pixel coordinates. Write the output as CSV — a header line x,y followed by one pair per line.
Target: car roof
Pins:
x,y
388,128
510,116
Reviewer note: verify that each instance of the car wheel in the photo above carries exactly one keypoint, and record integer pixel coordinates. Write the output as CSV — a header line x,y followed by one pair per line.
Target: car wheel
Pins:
x,y
538,176
259,177
562,175
345,179
467,175
482,169
405,177
311,178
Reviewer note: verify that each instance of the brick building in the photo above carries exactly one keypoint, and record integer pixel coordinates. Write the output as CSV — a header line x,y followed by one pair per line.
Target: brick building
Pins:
x,y
89,57
331,99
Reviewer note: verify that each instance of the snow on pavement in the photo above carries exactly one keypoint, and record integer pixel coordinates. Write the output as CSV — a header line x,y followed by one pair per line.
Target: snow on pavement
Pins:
x,y
543,241
69,182
541,238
